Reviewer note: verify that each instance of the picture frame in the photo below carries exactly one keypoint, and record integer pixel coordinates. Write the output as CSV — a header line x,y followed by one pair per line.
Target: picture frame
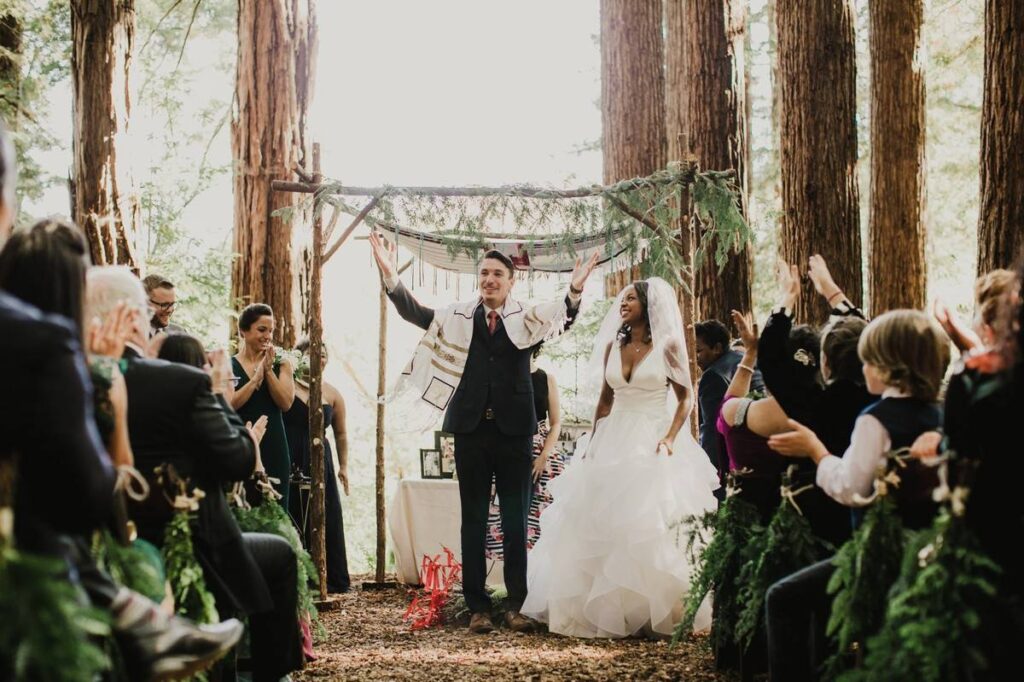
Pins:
x,y
430,463
445,443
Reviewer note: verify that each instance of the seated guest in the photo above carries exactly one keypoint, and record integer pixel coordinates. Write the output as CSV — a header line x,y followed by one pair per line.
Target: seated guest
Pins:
x,y
162,303
717,362
830,404
745,425
64,479
296,424
175,417
905,357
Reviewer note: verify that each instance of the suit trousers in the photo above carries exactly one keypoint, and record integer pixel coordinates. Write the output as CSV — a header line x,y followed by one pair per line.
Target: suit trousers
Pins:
x,y
481,456
797,611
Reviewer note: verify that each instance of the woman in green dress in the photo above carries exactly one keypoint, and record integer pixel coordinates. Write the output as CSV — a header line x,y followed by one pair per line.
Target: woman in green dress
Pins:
x,y
265,388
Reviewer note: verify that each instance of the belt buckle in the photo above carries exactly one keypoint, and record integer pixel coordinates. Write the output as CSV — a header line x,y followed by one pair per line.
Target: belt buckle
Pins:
x,y
489,414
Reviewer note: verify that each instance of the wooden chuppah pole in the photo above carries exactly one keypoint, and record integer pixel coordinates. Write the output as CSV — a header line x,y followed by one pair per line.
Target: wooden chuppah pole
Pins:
x,y
382,360
382,369
317,524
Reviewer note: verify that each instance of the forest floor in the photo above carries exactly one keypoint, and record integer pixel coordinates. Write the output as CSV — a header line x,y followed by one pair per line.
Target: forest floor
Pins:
x,y
368,640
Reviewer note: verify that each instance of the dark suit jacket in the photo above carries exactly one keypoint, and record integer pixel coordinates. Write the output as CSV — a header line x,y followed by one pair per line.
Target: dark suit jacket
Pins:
x,y
65,480
497,374
174,417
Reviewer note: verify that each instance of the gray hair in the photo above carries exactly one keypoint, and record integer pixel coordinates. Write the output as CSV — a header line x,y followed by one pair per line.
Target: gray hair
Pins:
x,y
107,286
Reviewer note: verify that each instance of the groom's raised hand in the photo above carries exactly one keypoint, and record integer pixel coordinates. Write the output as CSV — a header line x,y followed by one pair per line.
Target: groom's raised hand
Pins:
x,y
386,255
581,271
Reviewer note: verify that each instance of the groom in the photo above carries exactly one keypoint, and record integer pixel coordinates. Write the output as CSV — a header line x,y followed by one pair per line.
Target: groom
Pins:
x,y
474,363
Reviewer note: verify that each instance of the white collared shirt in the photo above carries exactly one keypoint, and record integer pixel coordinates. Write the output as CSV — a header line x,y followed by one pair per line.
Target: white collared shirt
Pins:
x,y
854,473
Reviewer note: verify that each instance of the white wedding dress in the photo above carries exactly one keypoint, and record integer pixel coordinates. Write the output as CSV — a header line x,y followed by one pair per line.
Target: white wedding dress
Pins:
x,y
611,560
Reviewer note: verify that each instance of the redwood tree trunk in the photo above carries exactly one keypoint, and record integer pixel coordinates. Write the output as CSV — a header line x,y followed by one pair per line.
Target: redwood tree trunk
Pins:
x,y
10,67
712,87
276,41
632,89
897,271
1001,215
818,143
102,38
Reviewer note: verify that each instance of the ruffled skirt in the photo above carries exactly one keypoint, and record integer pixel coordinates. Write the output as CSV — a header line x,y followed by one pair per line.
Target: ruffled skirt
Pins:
x,y
612,559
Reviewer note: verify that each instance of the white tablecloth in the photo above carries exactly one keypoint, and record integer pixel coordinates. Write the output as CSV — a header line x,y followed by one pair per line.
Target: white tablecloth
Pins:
x,y
425,517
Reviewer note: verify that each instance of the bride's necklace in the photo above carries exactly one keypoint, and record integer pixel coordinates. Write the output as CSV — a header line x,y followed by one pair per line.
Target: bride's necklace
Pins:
x,y
638,348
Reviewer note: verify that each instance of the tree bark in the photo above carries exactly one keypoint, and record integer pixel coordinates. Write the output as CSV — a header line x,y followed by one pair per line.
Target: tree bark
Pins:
x,y
818,144
678,143
898,269
10,67
712,87
632,89
273,88
1001,214
102,38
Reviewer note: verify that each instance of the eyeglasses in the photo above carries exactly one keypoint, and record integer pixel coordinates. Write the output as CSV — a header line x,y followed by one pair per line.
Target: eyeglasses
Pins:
x,y
166,307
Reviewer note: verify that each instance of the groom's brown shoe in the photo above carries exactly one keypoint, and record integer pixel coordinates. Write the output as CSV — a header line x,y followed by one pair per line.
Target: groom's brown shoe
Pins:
x,y
517,622
480,624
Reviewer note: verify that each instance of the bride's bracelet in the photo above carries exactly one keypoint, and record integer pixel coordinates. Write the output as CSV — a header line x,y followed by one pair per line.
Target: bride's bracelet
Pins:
x,y
746,367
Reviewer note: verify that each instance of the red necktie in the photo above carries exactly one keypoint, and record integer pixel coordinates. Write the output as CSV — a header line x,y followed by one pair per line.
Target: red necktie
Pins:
x,y
492,321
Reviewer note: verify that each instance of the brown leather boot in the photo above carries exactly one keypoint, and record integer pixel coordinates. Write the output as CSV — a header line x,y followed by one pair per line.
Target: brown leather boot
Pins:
x,y
480,624
517,622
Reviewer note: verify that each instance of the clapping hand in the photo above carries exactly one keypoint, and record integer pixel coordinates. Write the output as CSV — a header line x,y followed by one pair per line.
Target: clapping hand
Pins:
x,y
789,282
746,329
108,338
581,271
259,373
927,445
386,255
963,337
221,376
822,278
258,428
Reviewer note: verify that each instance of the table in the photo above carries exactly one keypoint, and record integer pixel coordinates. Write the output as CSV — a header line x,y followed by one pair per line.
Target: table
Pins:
x,y
425,517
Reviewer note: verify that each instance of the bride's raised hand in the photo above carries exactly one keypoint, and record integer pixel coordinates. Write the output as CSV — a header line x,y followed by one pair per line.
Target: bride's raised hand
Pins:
x,y
666,444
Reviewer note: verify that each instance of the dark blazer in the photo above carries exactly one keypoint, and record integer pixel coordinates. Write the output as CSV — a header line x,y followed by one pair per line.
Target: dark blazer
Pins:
x,y
496,376
65,481
174,417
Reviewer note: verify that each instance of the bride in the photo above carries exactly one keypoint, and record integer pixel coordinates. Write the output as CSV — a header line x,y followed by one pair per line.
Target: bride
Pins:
x,y
611,560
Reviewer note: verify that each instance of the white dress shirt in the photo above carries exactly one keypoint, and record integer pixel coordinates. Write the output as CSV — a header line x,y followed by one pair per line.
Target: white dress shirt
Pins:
x,y
855,472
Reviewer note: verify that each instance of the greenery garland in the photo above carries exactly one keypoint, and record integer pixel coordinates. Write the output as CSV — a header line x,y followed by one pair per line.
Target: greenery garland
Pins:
x,y
191,596
866,567
718,568
129,566
646,211
47,627
270,517
932,626
786,546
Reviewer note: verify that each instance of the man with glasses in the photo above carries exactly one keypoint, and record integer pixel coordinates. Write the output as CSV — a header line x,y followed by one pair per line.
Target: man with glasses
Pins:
x,y
162,302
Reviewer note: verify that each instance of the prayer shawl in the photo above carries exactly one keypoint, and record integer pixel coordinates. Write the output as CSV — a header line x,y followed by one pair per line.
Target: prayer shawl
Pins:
x,y
429,381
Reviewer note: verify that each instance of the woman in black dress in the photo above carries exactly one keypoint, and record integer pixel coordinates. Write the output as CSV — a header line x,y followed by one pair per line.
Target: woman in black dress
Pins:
x,y
265,388
296,424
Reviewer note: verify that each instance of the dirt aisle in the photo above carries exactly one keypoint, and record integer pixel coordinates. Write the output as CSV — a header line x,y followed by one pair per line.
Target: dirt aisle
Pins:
x,y
367,640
